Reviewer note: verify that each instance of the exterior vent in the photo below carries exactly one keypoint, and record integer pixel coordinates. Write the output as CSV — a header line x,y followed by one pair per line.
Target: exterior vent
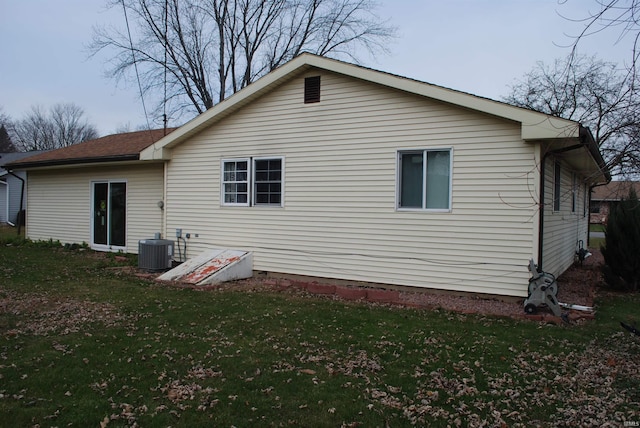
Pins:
x,y
312,90
155,254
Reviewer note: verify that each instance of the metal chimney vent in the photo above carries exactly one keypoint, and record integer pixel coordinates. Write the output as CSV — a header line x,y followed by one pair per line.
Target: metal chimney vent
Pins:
x,y
155,254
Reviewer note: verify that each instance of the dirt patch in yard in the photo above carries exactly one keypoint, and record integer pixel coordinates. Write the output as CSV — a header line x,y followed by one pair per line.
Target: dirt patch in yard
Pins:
x,y
576,286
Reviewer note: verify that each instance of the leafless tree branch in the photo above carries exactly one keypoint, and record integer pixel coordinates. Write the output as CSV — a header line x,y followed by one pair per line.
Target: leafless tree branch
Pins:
x,y
202,51
594,93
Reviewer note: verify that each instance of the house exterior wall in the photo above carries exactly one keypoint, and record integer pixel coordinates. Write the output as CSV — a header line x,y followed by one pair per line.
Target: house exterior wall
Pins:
x,y
563,228
339,217
10,197
4,200
59,202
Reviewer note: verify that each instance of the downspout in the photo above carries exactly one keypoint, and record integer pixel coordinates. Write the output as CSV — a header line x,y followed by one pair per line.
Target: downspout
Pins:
x,y
163,219
21,199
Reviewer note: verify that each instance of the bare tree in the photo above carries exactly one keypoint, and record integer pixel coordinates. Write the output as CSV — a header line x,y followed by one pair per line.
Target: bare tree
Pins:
x,y
611,15
197,52
594,93
5,119
60,126
6,145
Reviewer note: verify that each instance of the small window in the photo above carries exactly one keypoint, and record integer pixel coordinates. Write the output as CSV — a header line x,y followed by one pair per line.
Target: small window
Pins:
x,y
595,207
252,181
556,186
424,179
312,90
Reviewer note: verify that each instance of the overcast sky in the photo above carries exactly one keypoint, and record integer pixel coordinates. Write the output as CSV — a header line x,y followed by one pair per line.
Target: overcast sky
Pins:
x,y
476,46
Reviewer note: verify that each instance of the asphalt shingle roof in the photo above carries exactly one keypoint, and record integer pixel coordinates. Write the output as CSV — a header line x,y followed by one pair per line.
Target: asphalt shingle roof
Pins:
x,y
126,146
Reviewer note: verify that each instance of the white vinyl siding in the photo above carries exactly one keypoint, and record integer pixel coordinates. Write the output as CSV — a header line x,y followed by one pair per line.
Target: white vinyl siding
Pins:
x,y
563,227
340,219
59,202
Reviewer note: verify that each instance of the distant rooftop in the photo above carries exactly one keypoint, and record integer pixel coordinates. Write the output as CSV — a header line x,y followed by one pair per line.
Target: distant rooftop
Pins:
x,y
6,158
615,190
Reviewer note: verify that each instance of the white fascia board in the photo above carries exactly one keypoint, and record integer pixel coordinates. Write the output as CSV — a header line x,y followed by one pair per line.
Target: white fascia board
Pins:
x,y
534,125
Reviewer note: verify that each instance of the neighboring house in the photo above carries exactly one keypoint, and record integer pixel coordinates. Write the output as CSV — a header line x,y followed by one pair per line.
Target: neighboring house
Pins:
x,y
11,188
603,198
331,170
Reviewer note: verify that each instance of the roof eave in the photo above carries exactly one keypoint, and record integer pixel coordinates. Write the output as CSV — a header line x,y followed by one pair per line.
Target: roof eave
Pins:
x,y
535,125
161,148
73,161
586,138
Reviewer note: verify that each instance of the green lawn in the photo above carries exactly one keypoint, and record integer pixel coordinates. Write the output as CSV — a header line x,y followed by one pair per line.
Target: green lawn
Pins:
x,y
85,343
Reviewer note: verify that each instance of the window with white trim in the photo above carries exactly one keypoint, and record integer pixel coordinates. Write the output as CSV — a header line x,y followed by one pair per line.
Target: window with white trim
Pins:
x,y
235,182
252,181
424,179
267,181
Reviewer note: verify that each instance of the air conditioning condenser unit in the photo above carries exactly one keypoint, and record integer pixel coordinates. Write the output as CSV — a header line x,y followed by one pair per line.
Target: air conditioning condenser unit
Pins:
x,y
155,254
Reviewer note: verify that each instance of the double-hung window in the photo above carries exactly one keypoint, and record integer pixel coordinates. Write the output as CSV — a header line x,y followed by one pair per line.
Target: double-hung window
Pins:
x,y
267,181
424,179
252,181
235,182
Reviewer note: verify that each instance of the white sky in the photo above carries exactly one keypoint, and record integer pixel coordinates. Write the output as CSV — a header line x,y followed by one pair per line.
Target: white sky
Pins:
x,y
476,46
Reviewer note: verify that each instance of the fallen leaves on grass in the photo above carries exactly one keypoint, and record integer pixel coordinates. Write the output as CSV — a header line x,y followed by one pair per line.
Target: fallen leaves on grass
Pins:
x,y
42,315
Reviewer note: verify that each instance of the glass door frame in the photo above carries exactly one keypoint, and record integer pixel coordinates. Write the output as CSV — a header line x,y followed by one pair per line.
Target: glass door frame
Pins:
x,y
107,208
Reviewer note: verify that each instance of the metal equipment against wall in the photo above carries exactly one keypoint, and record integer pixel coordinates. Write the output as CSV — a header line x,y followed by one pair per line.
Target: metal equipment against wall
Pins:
x,y
543,290
155,254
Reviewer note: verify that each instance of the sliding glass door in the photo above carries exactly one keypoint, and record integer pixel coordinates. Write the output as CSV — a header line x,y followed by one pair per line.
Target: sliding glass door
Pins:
x,y
109,207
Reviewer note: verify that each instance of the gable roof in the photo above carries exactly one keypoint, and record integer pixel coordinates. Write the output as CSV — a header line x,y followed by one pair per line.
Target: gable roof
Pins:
x,y
615,190
535,126
111,148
